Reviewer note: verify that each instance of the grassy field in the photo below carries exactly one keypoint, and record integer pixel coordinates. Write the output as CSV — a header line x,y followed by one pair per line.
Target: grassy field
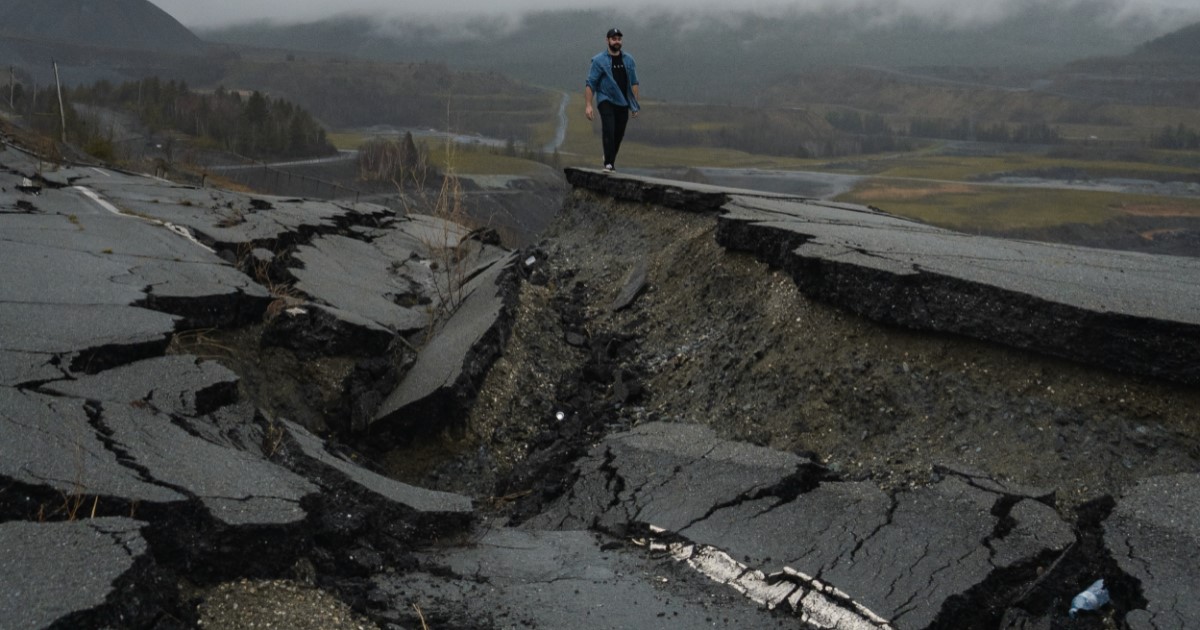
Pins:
x,y
927,185
966,168
465,159
347,140
480,161
990,208
582,147
933,188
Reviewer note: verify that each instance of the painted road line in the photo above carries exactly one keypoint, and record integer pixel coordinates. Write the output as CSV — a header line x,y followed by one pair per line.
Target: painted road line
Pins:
x,y
178,229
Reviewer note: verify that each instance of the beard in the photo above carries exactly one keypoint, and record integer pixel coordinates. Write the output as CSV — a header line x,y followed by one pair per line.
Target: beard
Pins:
x,y
616,48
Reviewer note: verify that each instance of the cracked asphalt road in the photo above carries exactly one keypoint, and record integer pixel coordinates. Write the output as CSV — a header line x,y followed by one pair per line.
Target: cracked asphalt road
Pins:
x,y
672,434
964,482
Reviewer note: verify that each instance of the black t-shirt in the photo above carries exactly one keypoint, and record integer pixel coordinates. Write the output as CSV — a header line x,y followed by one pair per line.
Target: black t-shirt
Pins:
x,y
619,73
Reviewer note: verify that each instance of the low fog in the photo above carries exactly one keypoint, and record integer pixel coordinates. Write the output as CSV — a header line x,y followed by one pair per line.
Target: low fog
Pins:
x,y
216,13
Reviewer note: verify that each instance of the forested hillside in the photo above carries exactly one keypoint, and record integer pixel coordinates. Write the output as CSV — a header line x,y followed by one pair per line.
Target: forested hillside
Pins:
x,y
253,125
1184,43
355,93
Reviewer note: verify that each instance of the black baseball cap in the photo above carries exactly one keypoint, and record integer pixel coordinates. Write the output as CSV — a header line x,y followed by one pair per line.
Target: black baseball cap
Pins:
x,y
614,32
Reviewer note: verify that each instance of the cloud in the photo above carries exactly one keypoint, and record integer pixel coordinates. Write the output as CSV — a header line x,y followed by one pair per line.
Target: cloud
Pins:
x,y
449,28
214,13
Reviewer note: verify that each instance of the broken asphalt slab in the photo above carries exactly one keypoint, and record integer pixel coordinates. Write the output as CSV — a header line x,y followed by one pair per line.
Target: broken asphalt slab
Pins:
x,y
106,269
89,289
396,276
673,194
203,486
356,276
52,570
733,529
1153,534
314,330
509,578
449,368
221,219
1120,310
131,452
419,499
150,249
81,338
848,549
173,384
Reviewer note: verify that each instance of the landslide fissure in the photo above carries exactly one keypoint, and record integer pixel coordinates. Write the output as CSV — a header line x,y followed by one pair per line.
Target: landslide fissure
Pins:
x,y
722,339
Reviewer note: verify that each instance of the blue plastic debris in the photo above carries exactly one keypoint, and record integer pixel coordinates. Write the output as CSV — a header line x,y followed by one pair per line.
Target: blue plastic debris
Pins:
x,y
1091,598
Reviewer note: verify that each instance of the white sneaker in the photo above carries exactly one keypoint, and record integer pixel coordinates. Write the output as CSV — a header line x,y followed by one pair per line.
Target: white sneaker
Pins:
x,y
609,168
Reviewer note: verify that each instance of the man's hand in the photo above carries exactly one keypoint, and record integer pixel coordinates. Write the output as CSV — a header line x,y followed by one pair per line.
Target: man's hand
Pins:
x,y
589,112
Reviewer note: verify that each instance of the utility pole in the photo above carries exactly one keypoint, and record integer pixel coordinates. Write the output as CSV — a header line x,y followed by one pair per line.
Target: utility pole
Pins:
x,y
62,112
12,85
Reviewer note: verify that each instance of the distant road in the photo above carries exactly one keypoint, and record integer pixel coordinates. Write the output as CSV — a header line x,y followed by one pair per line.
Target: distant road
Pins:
x,y
342,156
560,135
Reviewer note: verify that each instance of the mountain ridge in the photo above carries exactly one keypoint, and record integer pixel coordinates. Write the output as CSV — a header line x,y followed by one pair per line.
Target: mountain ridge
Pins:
x,y
120,24
741,51
1183,43
112,40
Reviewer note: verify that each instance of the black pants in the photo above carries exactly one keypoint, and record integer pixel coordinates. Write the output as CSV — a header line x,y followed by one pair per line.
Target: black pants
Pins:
x,y
613,120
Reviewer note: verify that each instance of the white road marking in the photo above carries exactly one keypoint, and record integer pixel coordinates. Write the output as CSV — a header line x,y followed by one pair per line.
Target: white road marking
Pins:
x,y
100,201
818,604
178,229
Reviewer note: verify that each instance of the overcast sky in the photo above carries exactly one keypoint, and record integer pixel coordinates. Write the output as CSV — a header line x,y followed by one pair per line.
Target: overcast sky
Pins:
x,y
207,13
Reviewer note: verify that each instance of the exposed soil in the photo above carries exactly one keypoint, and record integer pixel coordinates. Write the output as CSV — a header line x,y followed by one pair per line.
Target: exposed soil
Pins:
x,y
721,339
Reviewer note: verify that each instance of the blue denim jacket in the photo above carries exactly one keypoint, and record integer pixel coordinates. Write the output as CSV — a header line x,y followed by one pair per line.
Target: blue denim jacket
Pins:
x,y
604,85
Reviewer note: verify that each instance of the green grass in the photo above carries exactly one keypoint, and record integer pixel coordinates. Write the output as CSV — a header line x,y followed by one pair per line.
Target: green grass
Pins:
x,y
582,148
347,140
474,161
969,207
645,156
923,184
942,167
466,160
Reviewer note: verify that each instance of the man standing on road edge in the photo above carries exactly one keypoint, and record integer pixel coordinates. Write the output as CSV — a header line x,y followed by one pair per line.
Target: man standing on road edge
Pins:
x,y
613,80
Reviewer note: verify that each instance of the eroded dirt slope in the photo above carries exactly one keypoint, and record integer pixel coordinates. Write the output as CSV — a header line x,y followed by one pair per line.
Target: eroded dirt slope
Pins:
x,y
720,339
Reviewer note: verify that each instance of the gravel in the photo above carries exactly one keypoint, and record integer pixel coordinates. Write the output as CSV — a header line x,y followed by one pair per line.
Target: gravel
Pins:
x,y
281,604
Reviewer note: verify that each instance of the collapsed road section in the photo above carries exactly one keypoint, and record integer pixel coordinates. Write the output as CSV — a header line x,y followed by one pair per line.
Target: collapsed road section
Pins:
x,y
166,354
1121,310
208,399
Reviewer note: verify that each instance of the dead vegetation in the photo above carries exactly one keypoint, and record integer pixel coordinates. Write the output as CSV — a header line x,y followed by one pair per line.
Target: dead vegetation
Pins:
x,y
200,343
446,244
284,294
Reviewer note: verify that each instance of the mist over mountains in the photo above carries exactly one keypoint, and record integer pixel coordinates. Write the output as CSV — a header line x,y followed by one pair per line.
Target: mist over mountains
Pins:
x,y
1182,44
719,57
